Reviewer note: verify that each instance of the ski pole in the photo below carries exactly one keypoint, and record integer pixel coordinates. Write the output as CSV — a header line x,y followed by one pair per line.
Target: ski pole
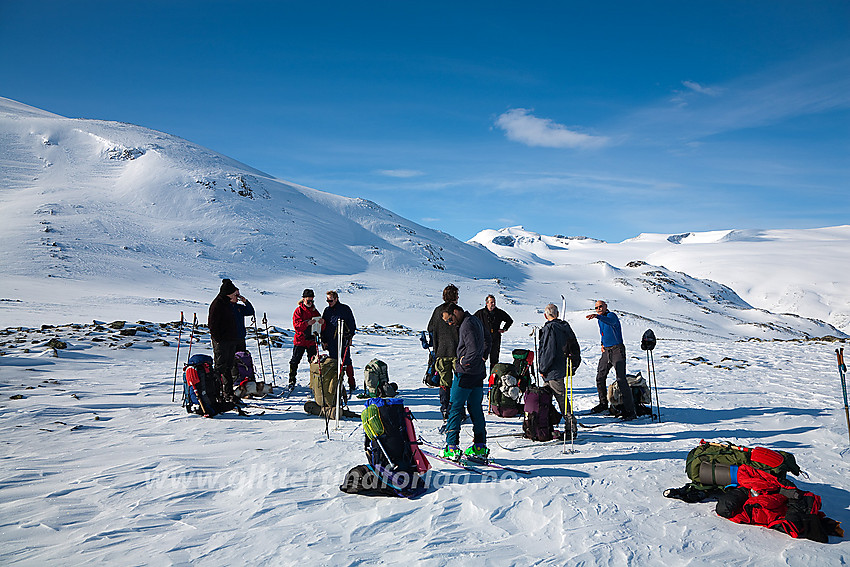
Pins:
x,y
655,381
259,347
269,342
536,374
177,362
192,335
340,329
842,370
649,374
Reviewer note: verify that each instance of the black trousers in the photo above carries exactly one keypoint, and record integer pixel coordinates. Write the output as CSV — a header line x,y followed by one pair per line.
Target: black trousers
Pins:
x,y
224,360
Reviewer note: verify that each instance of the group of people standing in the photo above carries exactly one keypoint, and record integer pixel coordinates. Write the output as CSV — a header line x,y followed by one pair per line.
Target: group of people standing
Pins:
x,y
226,322
463,344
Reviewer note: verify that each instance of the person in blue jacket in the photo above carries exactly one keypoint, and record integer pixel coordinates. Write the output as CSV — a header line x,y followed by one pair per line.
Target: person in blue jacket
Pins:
x,y
613,354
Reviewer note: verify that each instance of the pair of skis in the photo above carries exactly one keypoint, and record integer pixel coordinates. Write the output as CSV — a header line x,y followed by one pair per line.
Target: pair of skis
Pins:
x,y
467,462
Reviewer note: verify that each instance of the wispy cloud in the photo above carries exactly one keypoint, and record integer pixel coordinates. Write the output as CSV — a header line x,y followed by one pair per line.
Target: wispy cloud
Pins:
x,y
521,126
702,89
400,173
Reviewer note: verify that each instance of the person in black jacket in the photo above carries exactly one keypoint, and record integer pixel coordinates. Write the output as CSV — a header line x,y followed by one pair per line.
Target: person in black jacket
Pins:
x,y
445,339
468,384
333,314
558,344
226,322
492,318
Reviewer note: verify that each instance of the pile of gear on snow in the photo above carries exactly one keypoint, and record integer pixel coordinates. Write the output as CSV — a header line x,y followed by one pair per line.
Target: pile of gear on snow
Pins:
x,y
750,487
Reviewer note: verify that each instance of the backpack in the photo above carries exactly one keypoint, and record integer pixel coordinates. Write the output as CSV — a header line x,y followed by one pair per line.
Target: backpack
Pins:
x,y
505,391
640,394
245,367
376,380
202,388
540,415
523,361
713,465
392,449
432,378
324,375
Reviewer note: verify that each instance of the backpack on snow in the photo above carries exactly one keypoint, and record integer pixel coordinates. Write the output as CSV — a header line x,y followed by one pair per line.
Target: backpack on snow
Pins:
x,y
713,465
641,395
540,415
395,462
324,375
247,385
376,380
506,391
202,391
523,362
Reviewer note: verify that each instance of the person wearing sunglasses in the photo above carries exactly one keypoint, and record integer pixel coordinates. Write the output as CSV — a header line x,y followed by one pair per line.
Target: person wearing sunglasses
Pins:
x,y
468,385
613,355
333,314
303,319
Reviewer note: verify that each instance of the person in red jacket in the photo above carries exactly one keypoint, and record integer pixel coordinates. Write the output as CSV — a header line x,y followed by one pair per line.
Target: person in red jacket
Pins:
x,y
304,317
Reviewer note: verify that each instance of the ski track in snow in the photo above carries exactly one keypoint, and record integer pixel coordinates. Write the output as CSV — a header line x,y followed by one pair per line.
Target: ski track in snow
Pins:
x,y
145,483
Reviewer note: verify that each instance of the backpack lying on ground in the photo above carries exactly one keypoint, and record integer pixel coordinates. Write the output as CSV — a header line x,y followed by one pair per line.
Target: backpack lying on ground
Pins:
x,y
751,487
506,391
395,462
376,380
541,417
641,394
202,390
709,465
247,385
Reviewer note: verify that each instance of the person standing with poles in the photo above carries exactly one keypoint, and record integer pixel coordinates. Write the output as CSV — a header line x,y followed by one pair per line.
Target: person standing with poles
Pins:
x,y
226,322
613,355
558,347
334,315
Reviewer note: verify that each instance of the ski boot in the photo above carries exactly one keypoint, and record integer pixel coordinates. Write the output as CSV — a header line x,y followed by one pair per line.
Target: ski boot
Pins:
x,y
479,452
451,452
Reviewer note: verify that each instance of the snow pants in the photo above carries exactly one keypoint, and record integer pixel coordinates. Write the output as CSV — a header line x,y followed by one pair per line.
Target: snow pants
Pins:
x,y
471,398
614,356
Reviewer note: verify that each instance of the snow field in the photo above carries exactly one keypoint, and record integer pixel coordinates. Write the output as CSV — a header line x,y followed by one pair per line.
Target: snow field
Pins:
x,y
101,466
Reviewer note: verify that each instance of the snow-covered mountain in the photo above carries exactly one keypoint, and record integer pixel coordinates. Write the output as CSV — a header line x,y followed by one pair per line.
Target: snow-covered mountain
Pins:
x,y
118,213
101,215
739,280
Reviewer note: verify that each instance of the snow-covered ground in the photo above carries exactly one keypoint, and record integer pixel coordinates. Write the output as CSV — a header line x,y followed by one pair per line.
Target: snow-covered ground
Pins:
x,y
100,466
111,221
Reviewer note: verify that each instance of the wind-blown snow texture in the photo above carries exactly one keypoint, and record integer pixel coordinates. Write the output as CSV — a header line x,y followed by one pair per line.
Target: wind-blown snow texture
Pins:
x,y
104,220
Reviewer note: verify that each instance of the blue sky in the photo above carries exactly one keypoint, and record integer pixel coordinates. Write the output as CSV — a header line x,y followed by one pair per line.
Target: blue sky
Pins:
x,y
603,120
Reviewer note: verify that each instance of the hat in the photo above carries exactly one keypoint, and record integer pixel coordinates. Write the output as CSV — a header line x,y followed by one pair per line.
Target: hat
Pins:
x,y
308,293
227,287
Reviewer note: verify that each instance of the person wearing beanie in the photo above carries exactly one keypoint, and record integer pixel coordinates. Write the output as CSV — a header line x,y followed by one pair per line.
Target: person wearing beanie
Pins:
x,y
226,321
303,318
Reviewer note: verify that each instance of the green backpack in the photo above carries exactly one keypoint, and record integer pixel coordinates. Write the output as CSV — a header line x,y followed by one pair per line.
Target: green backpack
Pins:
x,y
376,380
709,464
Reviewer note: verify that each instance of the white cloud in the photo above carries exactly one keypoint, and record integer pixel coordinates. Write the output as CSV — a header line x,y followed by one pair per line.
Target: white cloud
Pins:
x,y
698,88
521,126
402,173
